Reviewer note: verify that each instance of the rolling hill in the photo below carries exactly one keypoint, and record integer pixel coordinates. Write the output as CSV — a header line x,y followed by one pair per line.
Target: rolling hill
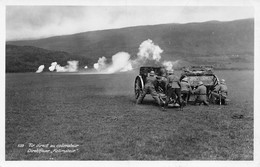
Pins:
x,y
29,58
213,42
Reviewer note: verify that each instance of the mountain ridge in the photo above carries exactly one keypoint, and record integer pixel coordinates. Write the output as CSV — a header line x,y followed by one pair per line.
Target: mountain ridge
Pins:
x,y
190,42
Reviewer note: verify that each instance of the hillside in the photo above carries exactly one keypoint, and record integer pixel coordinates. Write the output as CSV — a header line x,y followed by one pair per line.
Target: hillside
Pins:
x,y
29,58
210,42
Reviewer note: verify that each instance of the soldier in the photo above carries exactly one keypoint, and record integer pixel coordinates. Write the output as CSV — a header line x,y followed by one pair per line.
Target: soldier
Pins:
x,y
201,93
149,87
161,83
173,87
160,89
185,90
220,92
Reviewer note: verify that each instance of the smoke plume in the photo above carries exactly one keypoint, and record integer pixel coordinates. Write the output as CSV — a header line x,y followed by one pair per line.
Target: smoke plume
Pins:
x,y
120,62
148,54
40,69
149,51
53,66
72,66
101,64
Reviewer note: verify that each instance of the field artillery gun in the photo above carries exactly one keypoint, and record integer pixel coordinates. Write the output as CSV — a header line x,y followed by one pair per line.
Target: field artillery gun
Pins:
x,y
194,74
140,80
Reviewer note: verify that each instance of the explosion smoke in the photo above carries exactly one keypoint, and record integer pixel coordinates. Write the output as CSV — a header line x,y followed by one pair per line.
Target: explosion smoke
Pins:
x,y
53,66
71,67
120,62
148,50
40,69
101,64
148,53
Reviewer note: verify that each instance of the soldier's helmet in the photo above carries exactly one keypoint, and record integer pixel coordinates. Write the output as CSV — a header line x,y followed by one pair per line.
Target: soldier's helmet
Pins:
x,y
152,73
222,81
200,83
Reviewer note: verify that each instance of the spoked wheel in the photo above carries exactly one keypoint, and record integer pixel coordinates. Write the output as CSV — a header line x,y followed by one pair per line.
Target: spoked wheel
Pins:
x,y
138,86
211,98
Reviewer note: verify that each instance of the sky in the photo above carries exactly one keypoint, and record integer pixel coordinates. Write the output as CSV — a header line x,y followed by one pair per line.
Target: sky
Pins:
x,y
32,22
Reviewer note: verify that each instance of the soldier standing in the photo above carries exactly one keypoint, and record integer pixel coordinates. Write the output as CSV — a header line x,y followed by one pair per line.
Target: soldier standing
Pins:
x,y
201,93
173,87
149,87
185,89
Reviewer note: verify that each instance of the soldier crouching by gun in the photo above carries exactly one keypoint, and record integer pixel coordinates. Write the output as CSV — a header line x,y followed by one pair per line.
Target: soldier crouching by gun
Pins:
x,y
220,92
201,93
161,89
149,87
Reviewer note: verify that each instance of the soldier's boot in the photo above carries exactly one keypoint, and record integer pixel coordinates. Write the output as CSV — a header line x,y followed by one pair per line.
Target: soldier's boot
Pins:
x,y
160,103
163,105
182,102
139,100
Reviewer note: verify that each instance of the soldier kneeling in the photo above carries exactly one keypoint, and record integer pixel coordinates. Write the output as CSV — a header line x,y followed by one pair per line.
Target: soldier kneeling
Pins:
x,y
220,92
201,93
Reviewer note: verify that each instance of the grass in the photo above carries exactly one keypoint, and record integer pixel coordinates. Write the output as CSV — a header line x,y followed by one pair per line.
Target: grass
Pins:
x,y
98,112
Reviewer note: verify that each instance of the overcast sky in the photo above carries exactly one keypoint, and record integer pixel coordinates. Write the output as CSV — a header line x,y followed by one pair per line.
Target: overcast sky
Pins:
x,y
26,22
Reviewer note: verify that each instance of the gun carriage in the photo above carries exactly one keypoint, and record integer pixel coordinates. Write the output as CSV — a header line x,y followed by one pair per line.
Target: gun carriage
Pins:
x,y
194,74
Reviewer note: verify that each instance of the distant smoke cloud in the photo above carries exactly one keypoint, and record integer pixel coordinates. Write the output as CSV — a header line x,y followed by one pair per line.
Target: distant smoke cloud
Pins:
x,y
72,66
148,54
101,64
120,62
40,69
53,66
148,50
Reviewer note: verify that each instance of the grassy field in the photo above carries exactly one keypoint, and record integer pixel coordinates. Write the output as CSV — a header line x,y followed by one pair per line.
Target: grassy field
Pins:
x,y
98,114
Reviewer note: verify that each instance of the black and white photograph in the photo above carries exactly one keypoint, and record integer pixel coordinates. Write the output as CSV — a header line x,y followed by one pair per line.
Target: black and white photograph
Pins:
x,y
125,82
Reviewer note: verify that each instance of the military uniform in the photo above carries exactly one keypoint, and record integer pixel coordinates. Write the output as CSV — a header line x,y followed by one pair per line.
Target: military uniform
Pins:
x,y
220,90
201,93
160,85
173,88
149,88
185,90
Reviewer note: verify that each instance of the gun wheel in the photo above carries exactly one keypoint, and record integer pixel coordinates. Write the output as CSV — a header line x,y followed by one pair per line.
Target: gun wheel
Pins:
x,y
138,87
